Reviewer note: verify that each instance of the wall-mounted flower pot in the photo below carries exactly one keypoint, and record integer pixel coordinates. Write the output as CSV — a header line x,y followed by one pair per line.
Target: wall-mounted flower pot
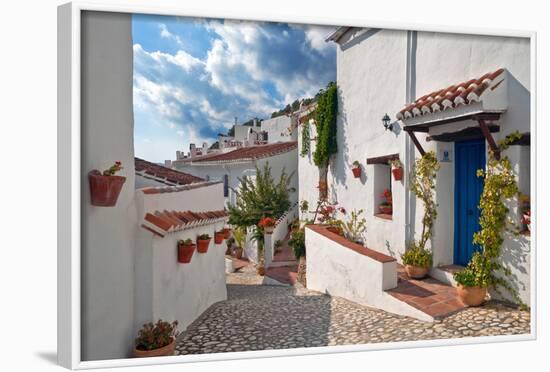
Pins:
x,y
471,296
105,190
219,236
397,173
385,209
356,172
167,350
202,245
226,232
185,252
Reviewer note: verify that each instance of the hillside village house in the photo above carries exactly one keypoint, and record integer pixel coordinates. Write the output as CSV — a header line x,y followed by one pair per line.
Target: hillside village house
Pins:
x,y
450,93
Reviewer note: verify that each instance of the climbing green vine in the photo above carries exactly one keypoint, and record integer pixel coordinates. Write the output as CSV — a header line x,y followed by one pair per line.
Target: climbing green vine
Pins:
x,y
325,120
422,183
305,139
499,186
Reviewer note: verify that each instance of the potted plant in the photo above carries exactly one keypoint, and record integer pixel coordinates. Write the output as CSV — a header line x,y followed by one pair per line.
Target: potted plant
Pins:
x,y
327,215
203,241
239,234
258,236
226,232
186,248
157,339
298,243
105,187
386,207
472,282
267,224
219,237
354,228
417,261
356,169
396,169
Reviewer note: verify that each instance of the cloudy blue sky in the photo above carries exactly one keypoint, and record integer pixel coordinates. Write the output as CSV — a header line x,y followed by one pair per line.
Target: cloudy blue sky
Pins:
x,y
193,76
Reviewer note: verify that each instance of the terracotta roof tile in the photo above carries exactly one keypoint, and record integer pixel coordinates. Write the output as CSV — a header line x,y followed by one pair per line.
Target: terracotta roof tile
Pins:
x,y
164,222
453,96
247,153
163,174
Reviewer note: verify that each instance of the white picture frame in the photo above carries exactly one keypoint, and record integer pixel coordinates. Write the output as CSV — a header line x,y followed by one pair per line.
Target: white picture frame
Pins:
x,y
69,183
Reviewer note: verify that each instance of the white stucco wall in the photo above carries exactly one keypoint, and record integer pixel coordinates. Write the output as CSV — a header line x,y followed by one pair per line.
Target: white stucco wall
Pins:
x,y
108,233
278,129
340,271
287,161
169,290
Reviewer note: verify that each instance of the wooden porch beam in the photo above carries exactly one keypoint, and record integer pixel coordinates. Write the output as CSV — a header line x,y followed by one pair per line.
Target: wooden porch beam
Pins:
x,y
489,137
416,143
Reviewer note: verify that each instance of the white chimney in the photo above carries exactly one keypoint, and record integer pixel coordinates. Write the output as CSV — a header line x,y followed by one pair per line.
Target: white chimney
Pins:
x,y
168,163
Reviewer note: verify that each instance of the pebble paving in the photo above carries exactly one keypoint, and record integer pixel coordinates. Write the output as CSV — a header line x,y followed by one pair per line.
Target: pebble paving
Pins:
x,y
260,317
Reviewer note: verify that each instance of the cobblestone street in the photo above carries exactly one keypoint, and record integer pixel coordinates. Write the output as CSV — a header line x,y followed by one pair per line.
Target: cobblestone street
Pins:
x,y
258,317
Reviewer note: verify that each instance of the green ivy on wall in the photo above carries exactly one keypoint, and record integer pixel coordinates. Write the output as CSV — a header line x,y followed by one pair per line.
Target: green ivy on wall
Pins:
x,y
305,139
325,120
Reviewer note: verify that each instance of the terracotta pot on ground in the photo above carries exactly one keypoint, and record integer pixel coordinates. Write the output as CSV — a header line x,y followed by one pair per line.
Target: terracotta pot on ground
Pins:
x,y
260,269
471,296
385,209
226,232
219,237
356,172
416,272
104,190
397,173
202,245
238,253
167,350
185,252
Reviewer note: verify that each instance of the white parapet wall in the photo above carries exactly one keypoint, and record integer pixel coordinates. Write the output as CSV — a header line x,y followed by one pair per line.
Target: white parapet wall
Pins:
x,y
279,232
169,290
338,267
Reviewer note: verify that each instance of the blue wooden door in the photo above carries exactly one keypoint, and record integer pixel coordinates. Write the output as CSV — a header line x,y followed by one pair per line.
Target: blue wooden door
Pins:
x,y
469,157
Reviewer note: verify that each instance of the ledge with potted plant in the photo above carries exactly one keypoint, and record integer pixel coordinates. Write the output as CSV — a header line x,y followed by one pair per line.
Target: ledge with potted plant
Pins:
x,y
356,169
186,248
354,228
267,224
105,187
326,214
386,206
157,339
396,169
203,241
417,261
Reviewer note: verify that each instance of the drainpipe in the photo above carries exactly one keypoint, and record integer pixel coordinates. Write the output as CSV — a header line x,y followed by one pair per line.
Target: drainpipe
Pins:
x,y
410,95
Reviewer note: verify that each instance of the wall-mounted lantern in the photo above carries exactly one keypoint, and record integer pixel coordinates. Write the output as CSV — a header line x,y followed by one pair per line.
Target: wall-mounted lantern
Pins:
x,y
386,121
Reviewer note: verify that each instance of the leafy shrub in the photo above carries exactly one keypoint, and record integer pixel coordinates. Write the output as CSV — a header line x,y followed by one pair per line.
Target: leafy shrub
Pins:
x,y
298,243
417,256
478,273
154,336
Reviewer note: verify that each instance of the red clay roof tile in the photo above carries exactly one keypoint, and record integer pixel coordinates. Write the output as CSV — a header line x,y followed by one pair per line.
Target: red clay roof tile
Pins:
x,y
168,221
163,174
247,153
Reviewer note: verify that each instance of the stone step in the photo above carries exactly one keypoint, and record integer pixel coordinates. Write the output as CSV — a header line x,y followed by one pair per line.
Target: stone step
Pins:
x,y
431,296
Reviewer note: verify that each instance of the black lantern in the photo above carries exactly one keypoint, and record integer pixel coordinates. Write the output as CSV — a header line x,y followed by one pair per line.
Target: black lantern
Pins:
x,y
386,121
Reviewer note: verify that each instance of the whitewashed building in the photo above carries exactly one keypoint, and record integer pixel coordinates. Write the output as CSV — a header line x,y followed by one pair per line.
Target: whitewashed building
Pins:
x,y
451,93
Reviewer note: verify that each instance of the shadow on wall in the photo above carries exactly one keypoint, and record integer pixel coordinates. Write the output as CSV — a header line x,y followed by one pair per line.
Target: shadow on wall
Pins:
x,y
516,252
302,321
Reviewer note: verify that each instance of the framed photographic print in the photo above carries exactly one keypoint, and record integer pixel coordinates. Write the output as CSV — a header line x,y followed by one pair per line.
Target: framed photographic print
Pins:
x,y
237,188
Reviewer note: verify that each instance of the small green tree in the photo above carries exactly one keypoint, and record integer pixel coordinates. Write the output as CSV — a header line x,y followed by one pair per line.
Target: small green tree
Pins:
x,y
260,197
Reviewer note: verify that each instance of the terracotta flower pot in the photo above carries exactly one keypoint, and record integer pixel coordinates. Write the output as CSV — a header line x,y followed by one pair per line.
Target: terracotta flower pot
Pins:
x,y
185,252
269,229
397,173
471,296
416,272
260,270
385,209
238,253
219,237
104,190
356,172
167,350
202,245
226,233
